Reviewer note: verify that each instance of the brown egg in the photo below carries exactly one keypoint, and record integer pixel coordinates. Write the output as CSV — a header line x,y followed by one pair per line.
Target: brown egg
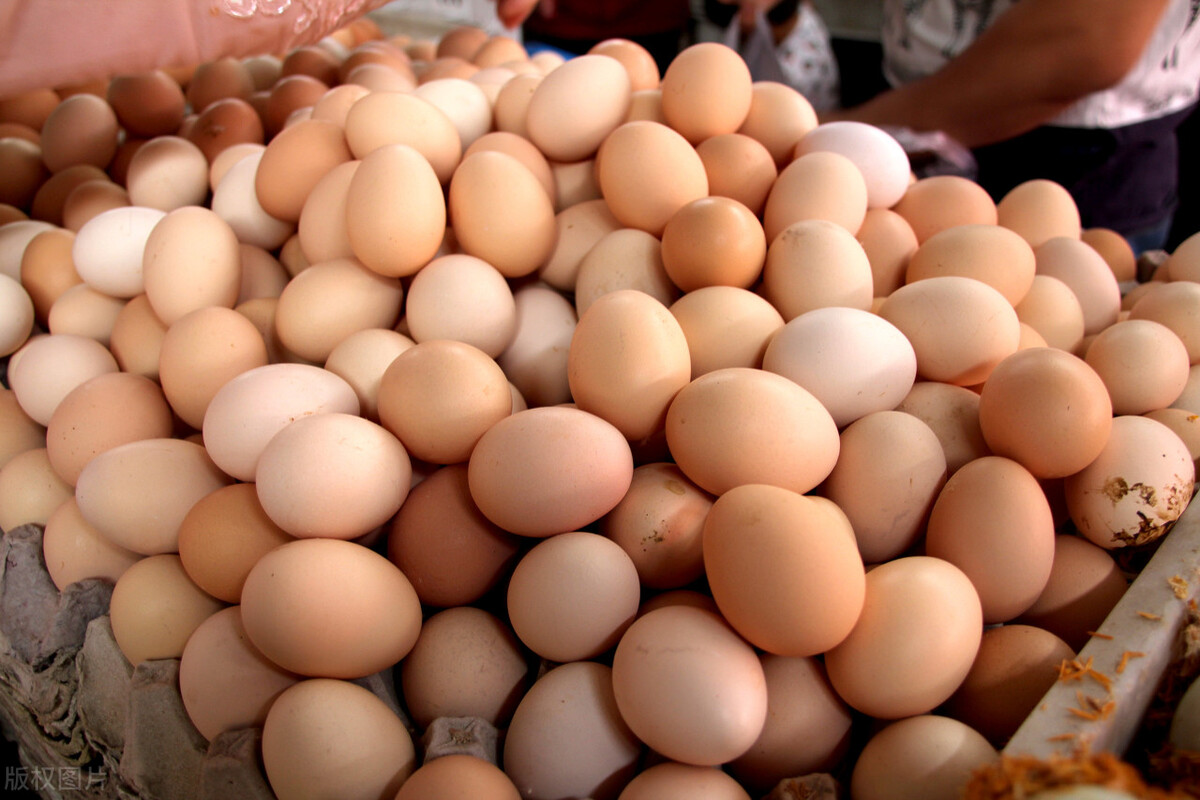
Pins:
x,y
374,52
1087,274
740,425
1053,311
23,170
1135,488
1007,554
335,737
646,104
223,536
647,172
699,75
362,358
666,672
155,608
322,229
816,263
217,80
938,202
890,470
1046,409
670,780
492,192
262,274
1016,665
1143,363
713,241
807,728
889,242
295,608
548,470
1039,209
294,161
52,196
804,554
191,261
82,129
1115,250
511,105
10,213
915,606
200,352
75,551
369,475
738,167
463,298
464,102
29,108
524,151
20,131
101,413
440,396
147,104
779,116
136,338
989,253
725,327
331,300
579,226
457,775
224,681
927,757
30,490
498,49
576,182
224,160
576,106
90,199
166,173
535,360
624,259
951,344
571,596
382,118
1185,424
820,185
1175,305
18,432
224,123
462,41
137,494
451,553
1085,583
952,412
312,60
47,269
395,196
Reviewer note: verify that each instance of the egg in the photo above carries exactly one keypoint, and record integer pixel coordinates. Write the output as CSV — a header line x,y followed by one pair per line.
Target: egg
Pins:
x,y
549,470
567,737
1053,312
1176,305
74,550
832,352
382,118
624,259
974,330
1087,274
91,198
927,756
18,431
30,489
571,597
217,79
580,226
535,360
166,173
1008,554
294,161
805,555
322,229
24,171
109,250
223,124
465,103
1039,210
361,359
511,106
136,338
670,780
82,129
46,269
738,167
689,687
889,242
713,241
465,663
937,202
295,609
524,151
1115,250
1143,364
18,315
464,298
878,155
647,171
451,553
191,261
821,185
914,642
224,681
989,253
155,608
725,326
47,367
50,199
577,105
952,412
325,736
1139,483
707,90
1047,410
236,201
457,775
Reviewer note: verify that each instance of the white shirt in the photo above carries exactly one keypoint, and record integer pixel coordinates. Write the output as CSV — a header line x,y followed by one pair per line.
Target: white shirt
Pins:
x,y
919,36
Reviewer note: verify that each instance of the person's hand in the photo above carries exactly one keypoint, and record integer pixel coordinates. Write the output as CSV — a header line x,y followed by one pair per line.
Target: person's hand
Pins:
x,y
513,12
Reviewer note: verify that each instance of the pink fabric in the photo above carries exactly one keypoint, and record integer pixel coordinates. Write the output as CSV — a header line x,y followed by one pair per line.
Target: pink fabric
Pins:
x,y
48,43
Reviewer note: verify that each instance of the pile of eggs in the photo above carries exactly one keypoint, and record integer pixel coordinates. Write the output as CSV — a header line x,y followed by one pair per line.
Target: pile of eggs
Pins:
x,y
689,442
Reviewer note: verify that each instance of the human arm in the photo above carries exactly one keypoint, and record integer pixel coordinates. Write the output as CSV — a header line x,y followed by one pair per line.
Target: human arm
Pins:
x,y
1034,61
48,43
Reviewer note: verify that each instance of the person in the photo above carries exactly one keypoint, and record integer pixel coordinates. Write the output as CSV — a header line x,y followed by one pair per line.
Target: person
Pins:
x,y
1088,93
